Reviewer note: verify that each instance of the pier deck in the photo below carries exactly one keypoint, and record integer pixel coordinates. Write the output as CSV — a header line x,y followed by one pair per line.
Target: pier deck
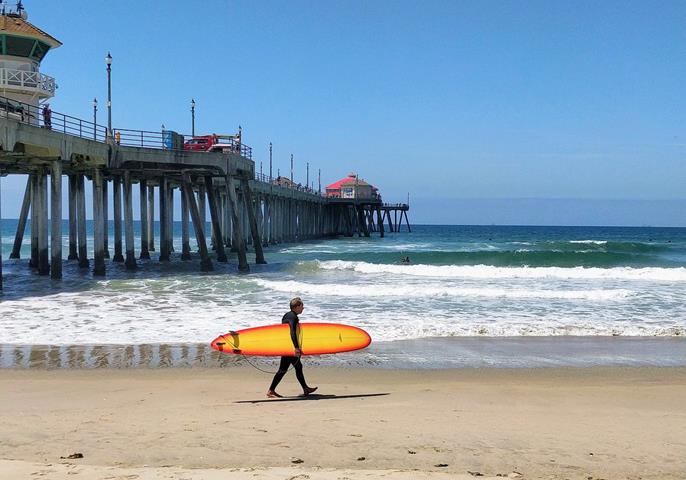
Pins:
x,y
245,212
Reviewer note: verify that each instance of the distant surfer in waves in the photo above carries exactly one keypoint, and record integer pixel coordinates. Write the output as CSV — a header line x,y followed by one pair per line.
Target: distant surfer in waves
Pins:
x,y
405,260
291,318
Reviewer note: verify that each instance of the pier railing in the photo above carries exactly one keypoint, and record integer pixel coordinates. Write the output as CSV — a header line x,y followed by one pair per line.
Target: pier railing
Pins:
x,y
260,177
51,120
69,125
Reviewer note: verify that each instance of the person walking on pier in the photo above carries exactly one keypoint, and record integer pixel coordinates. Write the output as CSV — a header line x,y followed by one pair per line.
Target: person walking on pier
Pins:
x,y
291,318
47,116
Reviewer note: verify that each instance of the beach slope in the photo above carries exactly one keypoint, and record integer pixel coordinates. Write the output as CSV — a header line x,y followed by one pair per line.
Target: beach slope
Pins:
x,y
366,423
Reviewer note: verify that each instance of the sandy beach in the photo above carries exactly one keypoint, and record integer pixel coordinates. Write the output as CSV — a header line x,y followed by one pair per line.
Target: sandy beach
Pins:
x,y
364,423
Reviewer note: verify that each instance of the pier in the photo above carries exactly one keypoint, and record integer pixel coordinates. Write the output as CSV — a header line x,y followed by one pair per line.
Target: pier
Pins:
x,y
246,211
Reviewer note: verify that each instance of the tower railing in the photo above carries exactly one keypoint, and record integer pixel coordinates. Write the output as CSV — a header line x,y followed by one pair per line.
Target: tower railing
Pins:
x,y
34,81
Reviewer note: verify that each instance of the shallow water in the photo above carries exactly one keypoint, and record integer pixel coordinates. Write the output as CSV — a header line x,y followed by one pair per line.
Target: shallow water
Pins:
x,y
462,282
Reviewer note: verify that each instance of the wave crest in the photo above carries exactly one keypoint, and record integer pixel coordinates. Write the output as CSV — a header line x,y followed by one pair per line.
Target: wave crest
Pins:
x,y
653,274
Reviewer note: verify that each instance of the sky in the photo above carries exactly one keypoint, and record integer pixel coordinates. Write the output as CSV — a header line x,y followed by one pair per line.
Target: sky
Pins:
x,y
481,111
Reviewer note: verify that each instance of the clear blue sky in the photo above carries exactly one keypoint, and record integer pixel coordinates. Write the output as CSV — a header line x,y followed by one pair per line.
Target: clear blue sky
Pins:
x,y
463,104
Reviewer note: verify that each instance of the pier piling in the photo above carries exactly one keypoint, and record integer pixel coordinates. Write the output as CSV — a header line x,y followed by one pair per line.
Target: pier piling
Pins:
x,y
185,234
128,223
43,254
21,225
145,242
237,228
73,229
56,219
214,214
151,218
98,224
118,251
205,261
81,221
164,223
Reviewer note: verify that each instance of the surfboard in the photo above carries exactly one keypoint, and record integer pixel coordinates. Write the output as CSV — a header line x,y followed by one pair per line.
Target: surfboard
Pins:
x,y
275,340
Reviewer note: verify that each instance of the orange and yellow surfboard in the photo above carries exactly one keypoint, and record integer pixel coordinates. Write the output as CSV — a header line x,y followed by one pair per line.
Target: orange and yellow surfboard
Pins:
x,y
275,340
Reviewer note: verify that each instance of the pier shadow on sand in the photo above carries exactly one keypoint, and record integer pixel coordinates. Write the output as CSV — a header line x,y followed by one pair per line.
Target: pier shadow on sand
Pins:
x,y
314,396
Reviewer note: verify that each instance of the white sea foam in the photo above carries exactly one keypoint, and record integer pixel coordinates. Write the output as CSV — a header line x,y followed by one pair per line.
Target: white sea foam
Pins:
x,y
655,274
595,242
413,291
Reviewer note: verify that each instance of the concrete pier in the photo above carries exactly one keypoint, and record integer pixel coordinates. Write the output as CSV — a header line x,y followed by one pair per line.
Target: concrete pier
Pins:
x,y
245,212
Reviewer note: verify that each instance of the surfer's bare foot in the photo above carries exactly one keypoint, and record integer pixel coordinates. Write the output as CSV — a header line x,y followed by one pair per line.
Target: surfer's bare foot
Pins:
x,y
309,390
273,394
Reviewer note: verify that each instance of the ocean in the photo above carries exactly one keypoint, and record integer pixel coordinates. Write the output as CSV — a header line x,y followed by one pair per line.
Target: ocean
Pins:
x,y
470,296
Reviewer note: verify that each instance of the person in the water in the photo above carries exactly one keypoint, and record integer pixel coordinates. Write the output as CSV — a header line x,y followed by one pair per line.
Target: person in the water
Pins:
x,y
291,318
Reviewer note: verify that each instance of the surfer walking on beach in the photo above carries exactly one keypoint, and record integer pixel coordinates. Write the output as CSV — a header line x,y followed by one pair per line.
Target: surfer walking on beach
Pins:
x,y
291,318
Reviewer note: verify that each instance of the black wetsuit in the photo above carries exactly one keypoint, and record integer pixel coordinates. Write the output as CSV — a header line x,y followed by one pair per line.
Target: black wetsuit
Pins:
x,y
291,318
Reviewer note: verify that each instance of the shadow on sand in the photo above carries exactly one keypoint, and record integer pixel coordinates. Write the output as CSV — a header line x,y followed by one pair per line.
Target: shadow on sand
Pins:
x,y
313,396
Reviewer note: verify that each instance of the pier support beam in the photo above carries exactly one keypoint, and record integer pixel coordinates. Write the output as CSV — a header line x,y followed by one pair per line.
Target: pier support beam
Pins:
x,y
118,251
73,229
151,218
256,241
201,207
128,223
81,222
236,221
105,217
56,219
98,224
205,262
170,217
164,222
185,234
23,216
43,256
145,242
35,207
379,222
214,214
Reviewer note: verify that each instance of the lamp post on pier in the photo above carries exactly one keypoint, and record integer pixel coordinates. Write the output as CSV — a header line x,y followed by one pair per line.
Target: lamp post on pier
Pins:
x,y
291,168
193,117
95,119
270,162
307,181
108,61
319,176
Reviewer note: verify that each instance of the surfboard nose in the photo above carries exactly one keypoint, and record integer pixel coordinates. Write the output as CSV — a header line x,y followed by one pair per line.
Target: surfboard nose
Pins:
x,y
218,343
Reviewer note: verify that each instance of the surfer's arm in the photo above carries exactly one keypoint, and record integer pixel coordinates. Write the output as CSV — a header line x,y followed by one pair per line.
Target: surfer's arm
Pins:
x,y
294,333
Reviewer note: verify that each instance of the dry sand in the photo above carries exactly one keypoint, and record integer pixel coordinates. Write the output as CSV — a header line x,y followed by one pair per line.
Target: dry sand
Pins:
x,y
196,424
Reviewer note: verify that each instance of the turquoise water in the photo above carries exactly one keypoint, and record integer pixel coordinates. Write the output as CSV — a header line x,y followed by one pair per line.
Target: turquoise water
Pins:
x,y
462,281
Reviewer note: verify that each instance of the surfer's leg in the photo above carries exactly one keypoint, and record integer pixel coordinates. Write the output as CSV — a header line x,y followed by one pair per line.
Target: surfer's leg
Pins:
x,y
283,368
298,366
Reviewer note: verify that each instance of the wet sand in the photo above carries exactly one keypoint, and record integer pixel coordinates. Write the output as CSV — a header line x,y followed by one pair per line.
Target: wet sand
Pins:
x,y
192,423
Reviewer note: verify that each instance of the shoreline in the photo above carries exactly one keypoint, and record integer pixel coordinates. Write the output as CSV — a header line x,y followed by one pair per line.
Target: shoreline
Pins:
x,y
424,353
573,423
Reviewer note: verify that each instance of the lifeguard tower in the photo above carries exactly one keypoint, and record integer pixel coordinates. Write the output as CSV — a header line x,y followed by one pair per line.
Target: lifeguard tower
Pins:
x,y
22,48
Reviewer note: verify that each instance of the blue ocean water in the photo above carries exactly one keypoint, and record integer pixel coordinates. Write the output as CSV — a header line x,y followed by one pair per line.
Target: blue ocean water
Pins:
x,y
462,281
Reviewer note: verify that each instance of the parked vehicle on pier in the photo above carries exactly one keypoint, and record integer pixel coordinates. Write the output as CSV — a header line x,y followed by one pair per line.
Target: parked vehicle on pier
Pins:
x,y
213,143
